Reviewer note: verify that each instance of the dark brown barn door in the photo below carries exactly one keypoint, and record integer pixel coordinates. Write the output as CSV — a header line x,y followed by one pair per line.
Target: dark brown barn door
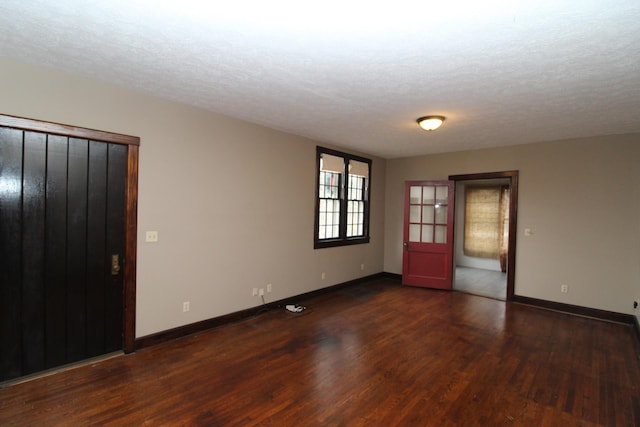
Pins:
x,y
63,221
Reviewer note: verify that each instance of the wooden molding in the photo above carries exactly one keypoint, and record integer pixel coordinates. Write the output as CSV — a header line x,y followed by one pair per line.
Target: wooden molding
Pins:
x,y
193,328
66,130
131,239
393,276
636,326
576,309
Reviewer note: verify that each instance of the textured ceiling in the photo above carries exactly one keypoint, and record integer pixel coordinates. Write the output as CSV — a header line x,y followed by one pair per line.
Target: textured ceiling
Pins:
x,y
358,73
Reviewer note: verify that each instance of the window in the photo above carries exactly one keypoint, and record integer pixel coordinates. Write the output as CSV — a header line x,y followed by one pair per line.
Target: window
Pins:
x,y
486,222
342,199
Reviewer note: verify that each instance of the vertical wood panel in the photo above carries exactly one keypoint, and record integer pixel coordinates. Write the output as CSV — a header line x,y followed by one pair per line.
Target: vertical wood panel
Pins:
x,y
33,223
10,251
96,241
116,210
56,252
76,248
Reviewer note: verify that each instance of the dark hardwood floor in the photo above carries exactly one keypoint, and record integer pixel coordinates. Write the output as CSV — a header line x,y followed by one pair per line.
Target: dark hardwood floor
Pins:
x,y
376,354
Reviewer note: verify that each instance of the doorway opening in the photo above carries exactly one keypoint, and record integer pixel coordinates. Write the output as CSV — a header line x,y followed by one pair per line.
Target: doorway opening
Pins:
x,y
491,276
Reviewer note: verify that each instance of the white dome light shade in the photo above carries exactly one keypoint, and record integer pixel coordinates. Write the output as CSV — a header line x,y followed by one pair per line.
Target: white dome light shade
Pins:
x,y
430,122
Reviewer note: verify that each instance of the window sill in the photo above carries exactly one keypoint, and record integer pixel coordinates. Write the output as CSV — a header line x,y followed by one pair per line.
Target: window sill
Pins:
x,y
319,244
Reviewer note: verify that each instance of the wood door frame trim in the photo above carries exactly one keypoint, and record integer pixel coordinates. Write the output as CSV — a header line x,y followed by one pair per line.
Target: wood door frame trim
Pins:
x,y
131,203
66,130
513,218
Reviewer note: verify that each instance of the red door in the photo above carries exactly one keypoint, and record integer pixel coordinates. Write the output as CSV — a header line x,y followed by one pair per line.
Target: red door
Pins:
x,y
427,259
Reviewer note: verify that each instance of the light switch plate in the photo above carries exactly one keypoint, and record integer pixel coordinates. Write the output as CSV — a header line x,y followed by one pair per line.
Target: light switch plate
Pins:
x,y
151,236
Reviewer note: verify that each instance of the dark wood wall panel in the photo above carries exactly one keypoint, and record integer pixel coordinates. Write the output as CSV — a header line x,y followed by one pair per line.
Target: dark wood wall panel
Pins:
x,y
76,247
10,252
56,252
33,233
116,223
96,241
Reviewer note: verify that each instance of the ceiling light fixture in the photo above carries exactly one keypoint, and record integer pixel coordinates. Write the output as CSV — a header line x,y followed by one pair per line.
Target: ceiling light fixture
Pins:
x,y
430,122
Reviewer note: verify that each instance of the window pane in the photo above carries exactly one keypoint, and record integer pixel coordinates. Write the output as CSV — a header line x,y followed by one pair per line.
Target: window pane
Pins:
x,y
482,224
328,218
329,185
355,218
441,234
356,188
414,213
414,232
442,194
441,214
428,195
427,214
415,195
427,234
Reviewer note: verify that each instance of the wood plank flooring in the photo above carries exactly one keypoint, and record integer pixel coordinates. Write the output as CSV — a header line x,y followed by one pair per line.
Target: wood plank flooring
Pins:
x,y
377,354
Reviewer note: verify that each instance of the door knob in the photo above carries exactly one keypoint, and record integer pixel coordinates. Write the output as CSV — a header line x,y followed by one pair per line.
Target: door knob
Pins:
x,y
406,246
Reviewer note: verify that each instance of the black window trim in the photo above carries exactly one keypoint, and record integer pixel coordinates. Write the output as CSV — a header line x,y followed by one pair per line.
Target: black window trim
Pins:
x,y
343,240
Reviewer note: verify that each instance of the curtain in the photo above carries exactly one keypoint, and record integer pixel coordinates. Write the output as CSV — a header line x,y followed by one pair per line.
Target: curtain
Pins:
x,y
486,223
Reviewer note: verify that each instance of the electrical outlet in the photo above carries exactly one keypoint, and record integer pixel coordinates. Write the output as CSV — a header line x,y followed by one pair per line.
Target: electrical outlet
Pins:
x,y
361,266
254,293
151,236
324,276
185,306
564,289
261,291
269,287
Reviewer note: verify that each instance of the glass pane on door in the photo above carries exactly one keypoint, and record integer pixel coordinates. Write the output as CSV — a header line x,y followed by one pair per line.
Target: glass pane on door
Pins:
x,y
441,215
442,195
428,195
427,234
414,214
441,234
414,232
415,194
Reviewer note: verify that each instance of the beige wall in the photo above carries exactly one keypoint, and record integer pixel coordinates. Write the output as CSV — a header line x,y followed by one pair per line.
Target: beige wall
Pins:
x,y
581,199
232,202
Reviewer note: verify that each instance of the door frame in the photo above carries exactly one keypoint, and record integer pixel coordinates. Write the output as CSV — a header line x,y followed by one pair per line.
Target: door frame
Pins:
x,y
512,176
131,203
